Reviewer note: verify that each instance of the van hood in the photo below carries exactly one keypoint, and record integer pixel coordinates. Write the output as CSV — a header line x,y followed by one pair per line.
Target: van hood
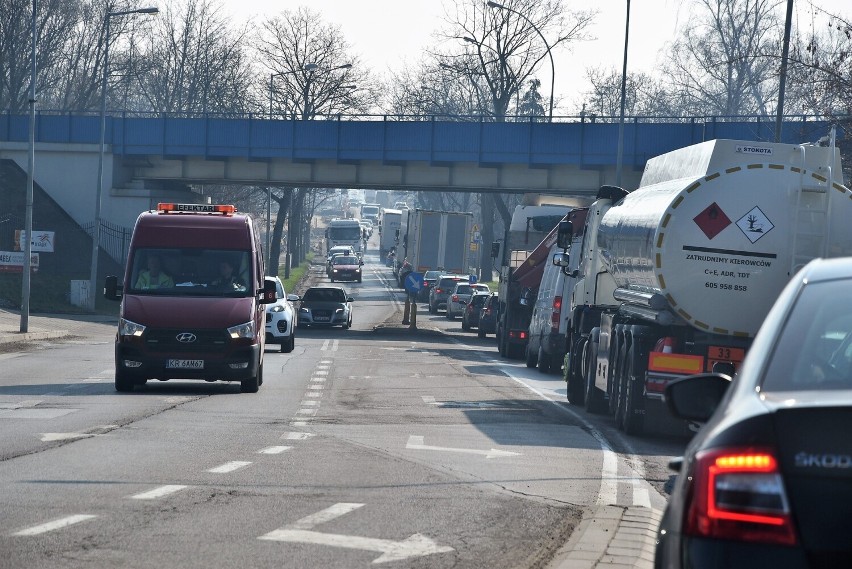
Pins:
x,y
195,312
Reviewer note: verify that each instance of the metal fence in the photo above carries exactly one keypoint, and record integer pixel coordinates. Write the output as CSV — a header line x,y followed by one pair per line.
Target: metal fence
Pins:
x,y
114,239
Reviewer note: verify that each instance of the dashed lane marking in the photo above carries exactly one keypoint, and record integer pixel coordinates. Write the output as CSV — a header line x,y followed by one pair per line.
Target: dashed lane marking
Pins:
x,y
274,450
159,492
297,436
54,525
229,467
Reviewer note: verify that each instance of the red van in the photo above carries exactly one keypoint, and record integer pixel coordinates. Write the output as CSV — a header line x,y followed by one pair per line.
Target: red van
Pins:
x,y
192,300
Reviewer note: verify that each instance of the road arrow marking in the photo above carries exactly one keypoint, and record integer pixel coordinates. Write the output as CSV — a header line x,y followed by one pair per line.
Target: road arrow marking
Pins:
x,y
416,545
416,443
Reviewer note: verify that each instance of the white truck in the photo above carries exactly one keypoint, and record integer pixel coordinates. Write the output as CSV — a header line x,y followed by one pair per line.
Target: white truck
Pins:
x,y
389,226
678,275
437,240
344,232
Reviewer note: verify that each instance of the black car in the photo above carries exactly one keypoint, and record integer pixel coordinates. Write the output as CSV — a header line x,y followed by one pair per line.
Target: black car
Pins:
x,y
326,306
470,314
767,481
488,316
429,278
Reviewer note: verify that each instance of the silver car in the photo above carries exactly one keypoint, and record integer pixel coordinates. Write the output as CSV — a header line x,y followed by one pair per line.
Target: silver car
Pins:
x,y
460,296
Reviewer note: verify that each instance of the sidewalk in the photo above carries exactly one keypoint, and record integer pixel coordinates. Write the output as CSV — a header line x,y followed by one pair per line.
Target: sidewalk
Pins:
x,y
51,326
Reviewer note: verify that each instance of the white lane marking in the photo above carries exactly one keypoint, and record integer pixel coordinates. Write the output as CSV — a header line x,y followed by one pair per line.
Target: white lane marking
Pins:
x,y
309,412
229,467
608,493
159,492
416,443
318,379
319,372
51,437
325,362
325,345
323,366
299,424
96,379
311,394
326,515
309,403
429,400
54,525
641,496
336,344
316,387
605,493
274,450
297,436
300,532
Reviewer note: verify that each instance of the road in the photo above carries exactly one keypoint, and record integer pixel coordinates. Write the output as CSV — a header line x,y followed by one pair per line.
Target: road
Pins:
x,y
374,445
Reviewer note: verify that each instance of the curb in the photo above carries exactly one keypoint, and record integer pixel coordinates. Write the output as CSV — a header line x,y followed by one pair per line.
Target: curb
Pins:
x,y
21,337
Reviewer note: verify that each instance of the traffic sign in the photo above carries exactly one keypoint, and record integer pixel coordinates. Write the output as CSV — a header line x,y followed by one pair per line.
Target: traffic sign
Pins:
x,y
413,282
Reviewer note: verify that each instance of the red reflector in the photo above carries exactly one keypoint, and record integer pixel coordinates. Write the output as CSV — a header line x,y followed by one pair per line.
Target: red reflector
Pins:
x,y
557,304
739,494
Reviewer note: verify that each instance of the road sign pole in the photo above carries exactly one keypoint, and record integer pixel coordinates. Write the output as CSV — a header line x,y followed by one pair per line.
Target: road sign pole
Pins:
x,y
407,312
413,316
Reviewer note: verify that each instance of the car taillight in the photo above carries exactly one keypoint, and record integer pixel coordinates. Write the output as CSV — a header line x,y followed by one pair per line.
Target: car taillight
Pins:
x,y
455,298
739,494
438,291
557,312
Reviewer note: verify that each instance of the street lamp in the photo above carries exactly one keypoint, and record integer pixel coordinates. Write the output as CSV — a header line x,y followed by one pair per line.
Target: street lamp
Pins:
x,y
547,45
28,215
620,152
307,67
96,230
306,109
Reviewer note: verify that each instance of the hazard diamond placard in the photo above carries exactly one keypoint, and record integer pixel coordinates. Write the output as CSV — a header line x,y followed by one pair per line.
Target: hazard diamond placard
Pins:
x,y
712,220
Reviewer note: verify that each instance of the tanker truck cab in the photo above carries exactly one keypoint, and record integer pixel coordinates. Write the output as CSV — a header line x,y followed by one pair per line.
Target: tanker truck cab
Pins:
x,y
192,299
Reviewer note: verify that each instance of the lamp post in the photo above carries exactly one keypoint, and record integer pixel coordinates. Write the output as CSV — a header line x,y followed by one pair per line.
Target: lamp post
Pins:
x,y
306,103
307,67
620,152
28,223
547,45
96,230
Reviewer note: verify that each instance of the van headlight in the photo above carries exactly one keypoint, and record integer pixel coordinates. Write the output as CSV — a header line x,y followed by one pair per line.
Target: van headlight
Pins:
x,y
129,328
242,331
277,308
339,311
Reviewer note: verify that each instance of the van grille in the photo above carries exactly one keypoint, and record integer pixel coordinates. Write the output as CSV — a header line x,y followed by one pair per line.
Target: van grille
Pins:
x,y
165,340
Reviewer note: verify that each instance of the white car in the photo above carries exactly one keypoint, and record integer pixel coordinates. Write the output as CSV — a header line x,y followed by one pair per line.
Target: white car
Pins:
x,y
280,318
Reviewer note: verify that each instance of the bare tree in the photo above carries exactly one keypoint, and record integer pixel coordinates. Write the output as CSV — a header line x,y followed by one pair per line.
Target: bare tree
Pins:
x,y
433,90
195,63
500,45
644,95
310,68
726,60
56,21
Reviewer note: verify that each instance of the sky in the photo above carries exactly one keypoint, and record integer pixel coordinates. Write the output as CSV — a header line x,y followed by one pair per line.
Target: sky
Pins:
x,y
388,34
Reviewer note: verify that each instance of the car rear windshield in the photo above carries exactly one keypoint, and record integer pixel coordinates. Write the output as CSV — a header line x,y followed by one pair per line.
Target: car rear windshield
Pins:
x,y
448,282
814,349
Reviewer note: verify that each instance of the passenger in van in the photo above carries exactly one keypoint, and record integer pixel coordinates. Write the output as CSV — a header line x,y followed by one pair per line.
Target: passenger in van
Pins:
x,y
227,279
153,277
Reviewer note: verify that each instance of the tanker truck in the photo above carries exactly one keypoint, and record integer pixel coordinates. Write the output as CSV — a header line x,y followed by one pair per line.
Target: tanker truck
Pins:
x,y
676,277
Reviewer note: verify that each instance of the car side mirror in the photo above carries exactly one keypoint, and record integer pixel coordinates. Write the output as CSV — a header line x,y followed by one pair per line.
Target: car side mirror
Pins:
x,y
696,397
350,299
293,297
111,289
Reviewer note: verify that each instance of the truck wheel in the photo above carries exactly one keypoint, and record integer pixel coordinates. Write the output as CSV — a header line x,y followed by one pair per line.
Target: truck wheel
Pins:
x,y
532,360
252,384
574,372
616,360
543,361
634,402
594,398
616,400
123,381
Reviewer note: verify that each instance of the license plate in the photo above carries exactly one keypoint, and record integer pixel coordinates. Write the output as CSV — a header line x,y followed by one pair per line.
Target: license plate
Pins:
x,y
185,364
321,318
724,354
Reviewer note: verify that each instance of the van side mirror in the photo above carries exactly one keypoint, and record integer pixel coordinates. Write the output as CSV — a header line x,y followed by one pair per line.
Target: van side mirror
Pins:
x,y
111,289
270,292
564,234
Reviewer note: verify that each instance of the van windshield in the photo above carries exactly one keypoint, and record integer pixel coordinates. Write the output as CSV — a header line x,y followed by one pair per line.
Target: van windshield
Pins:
x,y
190,272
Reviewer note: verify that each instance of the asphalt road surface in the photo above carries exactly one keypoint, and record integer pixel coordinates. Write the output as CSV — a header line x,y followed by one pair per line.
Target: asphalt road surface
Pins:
x,y
374,445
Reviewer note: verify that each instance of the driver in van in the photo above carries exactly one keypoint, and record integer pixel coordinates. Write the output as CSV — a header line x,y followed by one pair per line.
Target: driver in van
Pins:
x,y
227,279
153,277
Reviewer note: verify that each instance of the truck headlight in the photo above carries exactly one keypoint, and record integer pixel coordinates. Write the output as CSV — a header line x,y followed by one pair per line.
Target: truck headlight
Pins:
x,y
129,328
242,331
